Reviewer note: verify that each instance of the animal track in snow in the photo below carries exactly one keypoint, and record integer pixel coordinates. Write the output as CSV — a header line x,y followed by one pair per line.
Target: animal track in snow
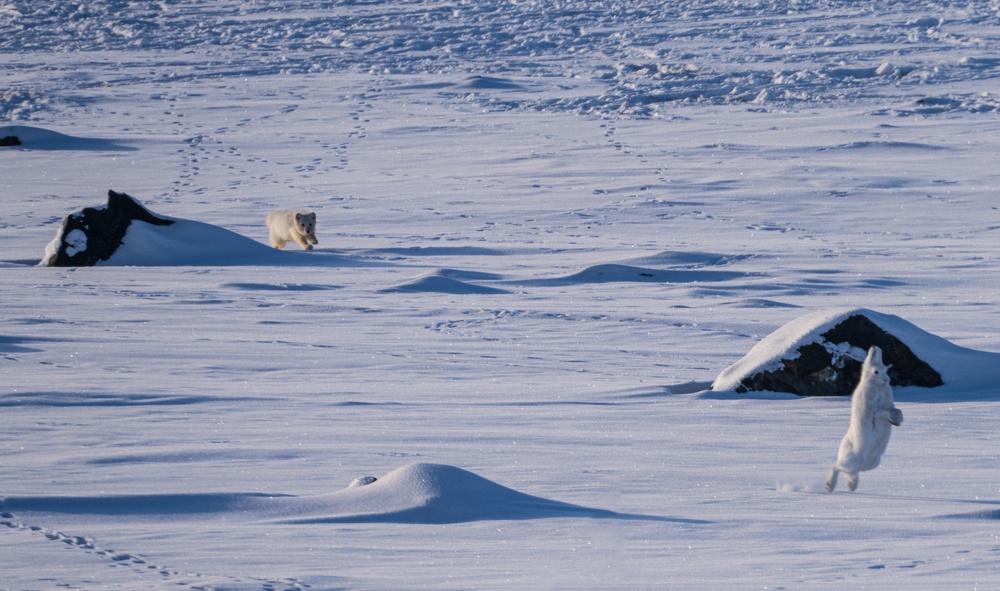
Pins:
x,y
140,564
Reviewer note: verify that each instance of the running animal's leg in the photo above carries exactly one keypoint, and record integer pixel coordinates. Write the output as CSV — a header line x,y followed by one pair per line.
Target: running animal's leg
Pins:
x,y
831,478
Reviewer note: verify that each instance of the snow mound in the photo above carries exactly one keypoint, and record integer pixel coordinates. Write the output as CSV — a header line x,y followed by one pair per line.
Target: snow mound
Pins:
x,y
757,303
620,273
690,259
447,281
960,369
37,138
190,243
435,493
491,83
419,493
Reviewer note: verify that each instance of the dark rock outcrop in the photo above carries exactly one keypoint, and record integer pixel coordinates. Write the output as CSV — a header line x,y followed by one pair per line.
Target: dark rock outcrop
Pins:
x,y
825,368
10,140
95,233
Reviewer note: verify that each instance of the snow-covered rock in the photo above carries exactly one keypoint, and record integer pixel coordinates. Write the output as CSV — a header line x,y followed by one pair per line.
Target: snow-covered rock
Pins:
x,y
821,355
95,234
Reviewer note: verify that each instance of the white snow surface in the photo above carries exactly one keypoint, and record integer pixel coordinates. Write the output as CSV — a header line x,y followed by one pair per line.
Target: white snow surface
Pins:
x,y
545,230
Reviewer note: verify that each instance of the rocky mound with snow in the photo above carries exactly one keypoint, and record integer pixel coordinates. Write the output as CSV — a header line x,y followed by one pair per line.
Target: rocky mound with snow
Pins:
x,y
95,234
821,354
123,232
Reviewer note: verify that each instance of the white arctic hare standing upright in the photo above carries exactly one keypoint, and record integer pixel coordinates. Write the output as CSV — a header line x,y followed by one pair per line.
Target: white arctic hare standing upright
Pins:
x,y
873,413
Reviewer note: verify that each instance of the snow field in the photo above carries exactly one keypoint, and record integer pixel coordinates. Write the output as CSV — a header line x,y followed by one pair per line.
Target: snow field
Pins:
x,y
543,234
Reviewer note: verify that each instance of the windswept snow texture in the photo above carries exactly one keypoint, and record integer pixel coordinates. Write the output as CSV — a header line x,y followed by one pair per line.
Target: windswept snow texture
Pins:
x,y
545,229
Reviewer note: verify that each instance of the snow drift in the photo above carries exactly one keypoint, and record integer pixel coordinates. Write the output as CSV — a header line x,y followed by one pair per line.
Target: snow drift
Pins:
x,y
415,493
434,493
27,137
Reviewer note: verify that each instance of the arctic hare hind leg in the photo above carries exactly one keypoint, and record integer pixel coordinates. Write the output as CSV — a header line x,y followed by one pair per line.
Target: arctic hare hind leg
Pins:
x,y
873,414
831,479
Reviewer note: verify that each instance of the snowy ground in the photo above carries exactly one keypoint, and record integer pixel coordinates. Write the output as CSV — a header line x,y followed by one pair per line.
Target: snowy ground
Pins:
x,y
545,229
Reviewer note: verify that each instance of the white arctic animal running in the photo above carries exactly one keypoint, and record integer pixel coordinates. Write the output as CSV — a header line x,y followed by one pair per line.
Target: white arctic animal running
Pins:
x,y
288,225
873,413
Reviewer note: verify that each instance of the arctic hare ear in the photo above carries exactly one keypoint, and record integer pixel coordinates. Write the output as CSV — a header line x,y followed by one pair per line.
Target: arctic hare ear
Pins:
x,y
875,355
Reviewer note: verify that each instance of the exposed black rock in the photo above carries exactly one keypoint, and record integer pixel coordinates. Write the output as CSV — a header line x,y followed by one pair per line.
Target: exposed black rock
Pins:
x,y
95,233
823,369
10,140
